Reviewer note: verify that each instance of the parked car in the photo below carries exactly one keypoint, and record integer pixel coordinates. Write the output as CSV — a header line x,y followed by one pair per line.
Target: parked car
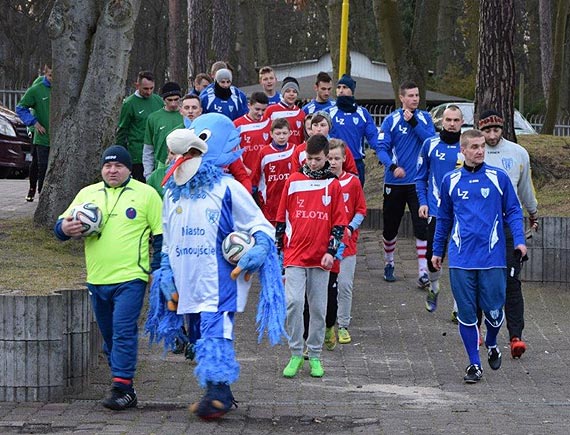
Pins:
x,y
522,126
15,145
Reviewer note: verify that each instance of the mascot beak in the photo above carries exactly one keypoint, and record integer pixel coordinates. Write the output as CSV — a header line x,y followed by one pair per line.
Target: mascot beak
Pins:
x,y
190,148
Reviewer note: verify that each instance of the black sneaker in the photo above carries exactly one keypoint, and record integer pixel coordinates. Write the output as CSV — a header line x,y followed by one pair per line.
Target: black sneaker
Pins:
x,y
119,399
179,346
423,281
494,358
190,351
473,374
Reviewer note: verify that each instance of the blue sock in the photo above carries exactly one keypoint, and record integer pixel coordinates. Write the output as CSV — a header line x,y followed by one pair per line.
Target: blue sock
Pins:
x,y
492,332
470,336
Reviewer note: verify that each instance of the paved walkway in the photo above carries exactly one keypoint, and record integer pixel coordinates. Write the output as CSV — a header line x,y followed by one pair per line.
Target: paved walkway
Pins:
x,y
402,373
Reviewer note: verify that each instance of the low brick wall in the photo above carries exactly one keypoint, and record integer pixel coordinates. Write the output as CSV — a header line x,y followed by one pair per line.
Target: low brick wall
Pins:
x,y
47,345
548,248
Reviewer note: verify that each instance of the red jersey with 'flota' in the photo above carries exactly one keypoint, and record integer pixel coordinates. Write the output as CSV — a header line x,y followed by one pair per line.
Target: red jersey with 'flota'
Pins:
x,y
270,173
294,115
354,202
300,157
254,135
310,208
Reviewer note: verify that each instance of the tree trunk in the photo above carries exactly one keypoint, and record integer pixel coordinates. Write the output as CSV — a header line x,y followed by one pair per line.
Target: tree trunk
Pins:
x,y
555,85
221,31
245,45
449,13
91,48
198,31
495,88
260,36
405,59
545,20
175,53
422,43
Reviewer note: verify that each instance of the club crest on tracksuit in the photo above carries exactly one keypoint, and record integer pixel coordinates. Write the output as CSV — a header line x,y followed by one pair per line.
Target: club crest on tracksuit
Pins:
x,y
507,163
326,199
212,215
345,196
298,124
485,192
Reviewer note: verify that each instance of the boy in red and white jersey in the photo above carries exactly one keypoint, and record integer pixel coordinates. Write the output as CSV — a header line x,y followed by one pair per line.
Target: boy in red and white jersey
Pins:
x,y
355,203
320,124
310,226
272,169
287,108
253,129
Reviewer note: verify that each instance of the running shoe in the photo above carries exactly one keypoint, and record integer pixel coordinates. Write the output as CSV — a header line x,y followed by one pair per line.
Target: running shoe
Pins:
x,y
473,374
389,273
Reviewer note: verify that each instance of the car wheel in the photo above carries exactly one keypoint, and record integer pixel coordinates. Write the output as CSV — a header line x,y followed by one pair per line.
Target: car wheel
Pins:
x,y
4,172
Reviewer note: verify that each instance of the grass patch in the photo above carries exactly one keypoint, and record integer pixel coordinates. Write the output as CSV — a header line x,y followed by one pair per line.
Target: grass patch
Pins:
x,y
36,263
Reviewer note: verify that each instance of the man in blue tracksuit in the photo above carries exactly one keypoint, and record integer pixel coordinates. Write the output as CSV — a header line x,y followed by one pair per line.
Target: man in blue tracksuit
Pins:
x,y
322,100
476,200
352,123
223,97
439,155
402,134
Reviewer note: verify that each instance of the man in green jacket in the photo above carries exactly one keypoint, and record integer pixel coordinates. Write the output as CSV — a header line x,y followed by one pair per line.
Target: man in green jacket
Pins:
x,y
33,110
132,121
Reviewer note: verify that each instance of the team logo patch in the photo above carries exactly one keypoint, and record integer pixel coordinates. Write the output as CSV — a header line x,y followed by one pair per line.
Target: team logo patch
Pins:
x,y
212,215
326,199
298,124
345,196
131,213
355,120
388,190
265,136
494,314
507,163
485,192
178,210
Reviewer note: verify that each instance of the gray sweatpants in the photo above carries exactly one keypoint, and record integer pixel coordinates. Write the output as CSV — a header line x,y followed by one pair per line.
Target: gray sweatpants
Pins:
x,y
345,285
313,281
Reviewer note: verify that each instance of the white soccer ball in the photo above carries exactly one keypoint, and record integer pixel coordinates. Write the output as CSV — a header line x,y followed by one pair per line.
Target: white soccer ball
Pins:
x,y
235,245
90,216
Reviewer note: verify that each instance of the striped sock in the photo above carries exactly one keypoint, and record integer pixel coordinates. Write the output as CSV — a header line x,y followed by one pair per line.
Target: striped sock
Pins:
x,y
421,249
389,248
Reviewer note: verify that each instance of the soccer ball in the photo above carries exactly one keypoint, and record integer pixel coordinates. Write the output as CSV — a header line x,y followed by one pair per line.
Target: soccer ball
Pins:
x,y
90,217
235,245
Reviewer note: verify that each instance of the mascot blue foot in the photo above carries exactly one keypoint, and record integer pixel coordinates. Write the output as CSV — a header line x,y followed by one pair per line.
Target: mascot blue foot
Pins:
x,y
217,401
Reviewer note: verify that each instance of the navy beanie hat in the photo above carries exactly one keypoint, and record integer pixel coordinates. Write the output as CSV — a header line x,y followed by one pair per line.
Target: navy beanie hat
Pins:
x,y
117,153
347,81
171,88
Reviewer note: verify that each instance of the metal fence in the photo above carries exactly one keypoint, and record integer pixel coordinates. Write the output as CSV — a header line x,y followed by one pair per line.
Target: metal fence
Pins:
x,y
561,128
379,112
10,98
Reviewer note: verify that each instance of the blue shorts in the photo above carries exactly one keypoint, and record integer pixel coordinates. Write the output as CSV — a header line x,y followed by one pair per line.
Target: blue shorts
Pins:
x,y
481,288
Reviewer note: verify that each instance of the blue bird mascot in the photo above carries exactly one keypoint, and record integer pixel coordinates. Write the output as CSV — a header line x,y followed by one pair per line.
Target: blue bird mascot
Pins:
x,y
202,205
